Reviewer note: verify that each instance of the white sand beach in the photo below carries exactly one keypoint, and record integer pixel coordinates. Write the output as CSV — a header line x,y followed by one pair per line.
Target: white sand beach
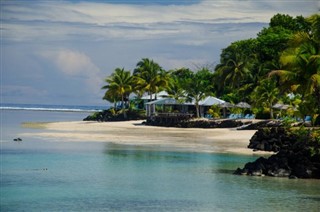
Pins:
x,y
134,133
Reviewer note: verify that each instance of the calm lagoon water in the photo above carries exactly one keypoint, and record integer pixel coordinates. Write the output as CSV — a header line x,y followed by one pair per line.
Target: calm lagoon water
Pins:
x,y
40,175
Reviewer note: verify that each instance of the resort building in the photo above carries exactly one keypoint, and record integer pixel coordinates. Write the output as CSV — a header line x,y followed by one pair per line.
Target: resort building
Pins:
x,y
170,105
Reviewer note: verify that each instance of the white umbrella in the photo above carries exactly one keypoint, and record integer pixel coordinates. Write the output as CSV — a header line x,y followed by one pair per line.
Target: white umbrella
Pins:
x,y
226,104
243,105
281,106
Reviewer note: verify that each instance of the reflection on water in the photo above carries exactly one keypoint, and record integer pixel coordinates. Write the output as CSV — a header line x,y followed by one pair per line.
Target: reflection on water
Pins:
x,y
99,176
148,154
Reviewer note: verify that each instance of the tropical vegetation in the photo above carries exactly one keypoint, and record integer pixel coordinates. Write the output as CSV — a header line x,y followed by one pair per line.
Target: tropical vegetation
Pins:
x,y
280,65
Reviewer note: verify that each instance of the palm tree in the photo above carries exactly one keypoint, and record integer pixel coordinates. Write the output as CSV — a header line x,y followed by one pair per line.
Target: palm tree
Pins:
x,y
235,66
111,96
266,94
301,62
235,70
314,20
177,82
150,76
175,89
198,87
120,85
164,79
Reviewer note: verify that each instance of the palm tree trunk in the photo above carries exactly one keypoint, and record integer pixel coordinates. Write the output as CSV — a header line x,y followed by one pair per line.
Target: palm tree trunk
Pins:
x,y
123,108
150,96
155,94
271,111
128,103
197,109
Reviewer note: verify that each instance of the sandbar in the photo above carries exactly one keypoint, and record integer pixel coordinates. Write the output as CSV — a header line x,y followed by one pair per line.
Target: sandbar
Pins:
x,y
135,133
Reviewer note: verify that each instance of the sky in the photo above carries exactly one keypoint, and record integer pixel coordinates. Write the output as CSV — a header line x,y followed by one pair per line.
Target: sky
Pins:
x,y
59,52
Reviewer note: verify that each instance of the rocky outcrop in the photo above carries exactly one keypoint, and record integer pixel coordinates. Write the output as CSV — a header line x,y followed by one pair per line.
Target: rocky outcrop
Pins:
x,y
298,154
111,115
273,123
262,124
195,123
271,139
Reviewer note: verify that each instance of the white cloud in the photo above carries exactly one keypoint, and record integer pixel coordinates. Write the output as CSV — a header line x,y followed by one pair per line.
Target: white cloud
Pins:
x,y
76,64
78,37
65,20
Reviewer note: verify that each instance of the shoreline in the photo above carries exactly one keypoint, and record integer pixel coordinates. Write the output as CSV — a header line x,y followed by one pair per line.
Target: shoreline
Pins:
x,y
218,140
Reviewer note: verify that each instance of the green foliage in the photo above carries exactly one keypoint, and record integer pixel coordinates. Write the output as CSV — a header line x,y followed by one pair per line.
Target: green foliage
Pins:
x,y
198,87
300,73
314,21
272,41
315,138
286,21
113,111
120,85
235,110
181,73
214,111
231,96
266,95
287,122
150,76
283,59
302,133
236,61
95,115
309,138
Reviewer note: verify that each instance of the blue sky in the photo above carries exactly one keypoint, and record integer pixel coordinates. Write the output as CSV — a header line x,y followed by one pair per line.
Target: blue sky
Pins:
x,y
59,52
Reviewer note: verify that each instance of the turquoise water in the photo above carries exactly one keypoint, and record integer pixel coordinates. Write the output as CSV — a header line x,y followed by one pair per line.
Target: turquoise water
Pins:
x,y
39,175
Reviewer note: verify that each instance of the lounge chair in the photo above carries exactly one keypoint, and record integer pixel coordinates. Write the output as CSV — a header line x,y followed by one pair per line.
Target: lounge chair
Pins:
x,y
232,116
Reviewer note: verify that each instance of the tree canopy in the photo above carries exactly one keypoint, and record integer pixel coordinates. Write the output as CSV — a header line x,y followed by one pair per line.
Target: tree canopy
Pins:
x,y
283,60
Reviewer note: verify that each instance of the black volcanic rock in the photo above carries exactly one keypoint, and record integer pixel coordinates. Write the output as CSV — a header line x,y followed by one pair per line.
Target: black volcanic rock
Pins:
x,y
298,154
187,122
109,115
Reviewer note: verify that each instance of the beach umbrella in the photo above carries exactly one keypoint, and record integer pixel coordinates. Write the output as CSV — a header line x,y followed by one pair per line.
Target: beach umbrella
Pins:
x,y
281,106
226,105
243,105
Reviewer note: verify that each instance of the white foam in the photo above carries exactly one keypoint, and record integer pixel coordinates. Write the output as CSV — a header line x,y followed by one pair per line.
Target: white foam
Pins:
x,y
50,109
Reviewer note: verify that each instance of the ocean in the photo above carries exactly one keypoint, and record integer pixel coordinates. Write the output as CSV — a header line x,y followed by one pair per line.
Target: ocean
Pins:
x,y
52,108
50,175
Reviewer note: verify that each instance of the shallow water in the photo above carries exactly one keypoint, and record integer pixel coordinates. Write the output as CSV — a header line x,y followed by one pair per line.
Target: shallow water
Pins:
x,y
38,175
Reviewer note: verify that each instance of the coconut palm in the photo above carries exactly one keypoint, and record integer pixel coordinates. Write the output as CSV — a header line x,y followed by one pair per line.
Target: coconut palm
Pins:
x,y
198,87
235,65
120,85
150,76
175,89
266,94
301,62
314,20
301,73
111,96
